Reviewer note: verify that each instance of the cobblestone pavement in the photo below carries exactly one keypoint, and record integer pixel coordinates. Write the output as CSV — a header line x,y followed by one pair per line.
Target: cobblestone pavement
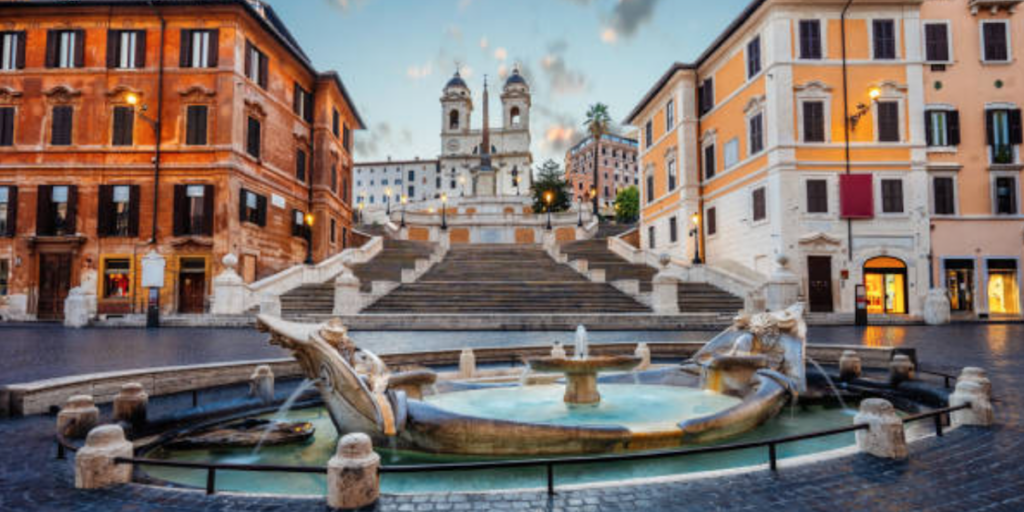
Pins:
x,y
969,469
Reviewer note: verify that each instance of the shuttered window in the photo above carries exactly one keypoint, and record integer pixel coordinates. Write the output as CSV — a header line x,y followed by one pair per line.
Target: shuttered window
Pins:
x,y
253,137
753,57
756,129
759,206
8,211
671,175
1006,195
884,39
706,96
1003,130
936,42
124,126
651,242
888,121
892,196
193,210
810,39
63,119
300,165
942,128
302,103
711,220
996,43
7,126
649,134
56,209
65,49
256,65
944,191
346,140
196,123
12,51
118,211
126,49
709,161
199,48
817,196
814,121
253,208
650,188
336,122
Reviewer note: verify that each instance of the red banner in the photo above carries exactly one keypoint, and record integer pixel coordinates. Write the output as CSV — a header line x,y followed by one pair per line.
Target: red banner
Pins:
x,y
856,196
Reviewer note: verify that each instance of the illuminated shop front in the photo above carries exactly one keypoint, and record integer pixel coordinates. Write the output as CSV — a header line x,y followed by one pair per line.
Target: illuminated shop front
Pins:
x,y
1002,287
885,283
960,284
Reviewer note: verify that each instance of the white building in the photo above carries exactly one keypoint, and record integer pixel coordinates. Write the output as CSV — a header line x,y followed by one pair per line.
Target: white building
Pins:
x,y
418,180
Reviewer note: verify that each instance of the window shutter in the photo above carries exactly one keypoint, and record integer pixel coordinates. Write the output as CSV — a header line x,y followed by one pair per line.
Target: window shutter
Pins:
x,y
22,39
185,57
264,71
52,37
1016,132
113,44
208,210
180,207
103,217
296,98
242,217
928,125
79,48
990,127
134,196
213,59
248,59
72,208
953,124
140,49
44,210
261,210
12,211
7,126
308,113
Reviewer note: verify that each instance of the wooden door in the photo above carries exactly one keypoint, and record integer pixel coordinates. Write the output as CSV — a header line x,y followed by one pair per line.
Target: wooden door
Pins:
x,y
819,283
192,292
54,285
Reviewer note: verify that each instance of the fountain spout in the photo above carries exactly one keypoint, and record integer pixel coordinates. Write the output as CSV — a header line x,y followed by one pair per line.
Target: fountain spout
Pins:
x,y
582,346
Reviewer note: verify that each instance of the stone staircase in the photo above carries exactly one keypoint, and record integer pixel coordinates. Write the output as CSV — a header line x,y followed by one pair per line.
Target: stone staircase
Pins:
x,y
506,279
318,299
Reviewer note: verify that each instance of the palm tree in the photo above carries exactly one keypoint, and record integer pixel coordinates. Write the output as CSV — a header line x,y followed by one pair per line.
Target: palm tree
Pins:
x,y
598,124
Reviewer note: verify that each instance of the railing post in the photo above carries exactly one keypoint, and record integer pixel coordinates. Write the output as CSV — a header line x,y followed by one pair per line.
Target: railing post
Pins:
x,y
60,450
938,425
773,461
195,398
211,480
551,479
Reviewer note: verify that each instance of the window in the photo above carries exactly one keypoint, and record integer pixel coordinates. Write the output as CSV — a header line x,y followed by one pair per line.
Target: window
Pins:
x,y
709,161
199,48
944,191
411,194
256,65
673,230
936,42
8,211
756,123
55,210
671,175
5,277
126,49
759,207
118,211
334,231
336,122
814,121
193,210
253,140
706,96
995,41
649,134
754,57
1006,195
346,139
817,196
670,115
650,188
298,223
300,165
1003,129
124,126
195,125
888,121
453,120
942,128
334,179
65,49
884,39
411,176
810,39
892,196
515,116
7,126
650,238
711,220
117,278
731,153
252,208
12,51
302,103
61,129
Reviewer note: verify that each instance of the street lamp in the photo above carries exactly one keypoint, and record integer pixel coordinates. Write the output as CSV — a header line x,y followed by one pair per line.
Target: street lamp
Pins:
x,y
387,199
695,233
579,210
405,199
308,219
444,211
548,198
361,206
462,185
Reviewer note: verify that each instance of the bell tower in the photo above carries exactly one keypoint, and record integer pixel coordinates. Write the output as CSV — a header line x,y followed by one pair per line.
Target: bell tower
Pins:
x,y
515,102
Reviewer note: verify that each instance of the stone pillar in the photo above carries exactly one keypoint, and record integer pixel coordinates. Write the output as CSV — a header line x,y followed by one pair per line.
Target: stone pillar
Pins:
x,y
783,287
978,375
76,309
94,462
644,353
885,437
228,289
348,300
937,307
467,364
352,479
261,384
130,404
849,366
665,294
971,392
78,417
901,368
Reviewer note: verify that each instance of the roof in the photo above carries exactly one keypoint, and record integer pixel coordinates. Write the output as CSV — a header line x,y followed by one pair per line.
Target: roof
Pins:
x,y
515,78
456,81
260,11
385,163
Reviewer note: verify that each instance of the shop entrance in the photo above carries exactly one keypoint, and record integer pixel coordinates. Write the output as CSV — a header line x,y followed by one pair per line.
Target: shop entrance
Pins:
x,y
960,284
819,283
54,285
192,286
885,281
1003,292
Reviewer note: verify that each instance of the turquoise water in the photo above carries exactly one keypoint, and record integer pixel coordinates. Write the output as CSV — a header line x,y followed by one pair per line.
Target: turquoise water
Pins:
x,y
318,450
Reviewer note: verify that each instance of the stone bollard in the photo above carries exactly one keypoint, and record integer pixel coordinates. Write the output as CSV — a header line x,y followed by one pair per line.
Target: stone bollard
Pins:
x,y
980,414
467,364
885,438
558,351
78,417
643,352
901,368
849,366
352,479
94,462
130,404
978,375
261,384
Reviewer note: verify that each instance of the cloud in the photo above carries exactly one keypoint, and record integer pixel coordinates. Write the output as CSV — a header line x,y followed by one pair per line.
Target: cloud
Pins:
x,y
346,6
453,32
561,130
380,139
503,71
465,4
562,80
419,72
500,53
484,43
609,35
629,15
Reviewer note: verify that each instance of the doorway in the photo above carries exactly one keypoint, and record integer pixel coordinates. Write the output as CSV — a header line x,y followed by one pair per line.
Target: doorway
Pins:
x,y
54,285
819,283
192,286
960,284
885,280
1003,292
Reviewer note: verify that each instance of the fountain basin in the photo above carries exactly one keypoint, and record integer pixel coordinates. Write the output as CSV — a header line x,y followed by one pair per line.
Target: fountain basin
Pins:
x,y
581,374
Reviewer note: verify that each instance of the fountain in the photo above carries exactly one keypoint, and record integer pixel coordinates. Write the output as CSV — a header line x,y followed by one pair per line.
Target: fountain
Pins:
x,y
581,371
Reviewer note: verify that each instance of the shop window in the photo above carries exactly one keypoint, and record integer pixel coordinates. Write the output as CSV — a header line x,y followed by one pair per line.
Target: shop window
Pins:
x,y
885,281
117,278
5,277
960,284
1003,292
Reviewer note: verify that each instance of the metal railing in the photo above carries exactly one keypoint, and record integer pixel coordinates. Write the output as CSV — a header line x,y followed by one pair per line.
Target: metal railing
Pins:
x,y
939,417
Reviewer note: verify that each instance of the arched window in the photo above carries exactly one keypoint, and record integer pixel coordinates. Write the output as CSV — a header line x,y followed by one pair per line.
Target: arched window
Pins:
x,y
885,281
453,120
515,116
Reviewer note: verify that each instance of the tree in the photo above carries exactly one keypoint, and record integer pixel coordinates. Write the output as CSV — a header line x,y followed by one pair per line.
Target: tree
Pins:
x,y
598,124
627,205
550,179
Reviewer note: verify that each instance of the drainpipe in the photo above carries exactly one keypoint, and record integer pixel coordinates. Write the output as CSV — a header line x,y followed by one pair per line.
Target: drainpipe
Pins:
x,y
312,170
846,120
701,241
159,121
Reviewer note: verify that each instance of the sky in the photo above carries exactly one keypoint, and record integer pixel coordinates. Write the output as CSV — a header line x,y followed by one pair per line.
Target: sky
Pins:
x,y
395,57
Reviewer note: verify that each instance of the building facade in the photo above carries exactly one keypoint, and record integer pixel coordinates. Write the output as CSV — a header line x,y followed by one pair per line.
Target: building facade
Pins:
x,y
194,129
377,183
617,168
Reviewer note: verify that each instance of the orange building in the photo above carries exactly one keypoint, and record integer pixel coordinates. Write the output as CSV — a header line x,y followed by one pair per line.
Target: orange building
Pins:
x,y
617,168
195,129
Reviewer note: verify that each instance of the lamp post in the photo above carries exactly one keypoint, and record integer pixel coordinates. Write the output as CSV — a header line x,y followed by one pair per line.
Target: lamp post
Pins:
x,y
462,185
695,233
579,211
548,198
387,199
444,212
308,219
361,206
405,199
153,260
